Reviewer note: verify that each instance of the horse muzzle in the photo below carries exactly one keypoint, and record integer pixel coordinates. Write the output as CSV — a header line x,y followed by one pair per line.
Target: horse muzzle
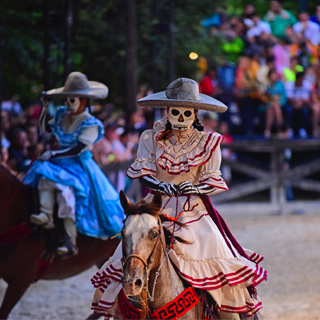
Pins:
x,y
132,286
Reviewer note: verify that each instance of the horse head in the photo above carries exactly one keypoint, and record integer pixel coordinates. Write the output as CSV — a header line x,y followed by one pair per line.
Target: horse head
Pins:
x,y
142,238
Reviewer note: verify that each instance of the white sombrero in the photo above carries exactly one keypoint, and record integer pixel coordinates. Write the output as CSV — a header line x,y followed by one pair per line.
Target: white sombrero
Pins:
x,y
77,85
184,93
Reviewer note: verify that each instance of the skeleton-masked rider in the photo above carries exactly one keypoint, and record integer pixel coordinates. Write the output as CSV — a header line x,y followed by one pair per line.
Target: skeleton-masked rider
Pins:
x,y
87,202
182,161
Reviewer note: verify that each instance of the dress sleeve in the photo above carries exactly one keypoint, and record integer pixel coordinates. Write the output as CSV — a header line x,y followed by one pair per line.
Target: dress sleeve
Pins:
x,y
89,135
145,164
211,175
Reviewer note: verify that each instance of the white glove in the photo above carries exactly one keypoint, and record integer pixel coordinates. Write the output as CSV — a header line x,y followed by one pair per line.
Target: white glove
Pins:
x,y
46,156
187,187
169,189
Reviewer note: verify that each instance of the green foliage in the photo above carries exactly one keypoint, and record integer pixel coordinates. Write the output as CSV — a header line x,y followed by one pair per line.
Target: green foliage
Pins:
x,y
99,41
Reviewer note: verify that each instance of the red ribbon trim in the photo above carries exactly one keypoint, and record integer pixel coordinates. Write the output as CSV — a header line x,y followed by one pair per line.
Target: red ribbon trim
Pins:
x,y
176,308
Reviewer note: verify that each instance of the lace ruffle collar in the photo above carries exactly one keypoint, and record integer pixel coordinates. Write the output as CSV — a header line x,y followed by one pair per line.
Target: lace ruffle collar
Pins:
x,y
190,149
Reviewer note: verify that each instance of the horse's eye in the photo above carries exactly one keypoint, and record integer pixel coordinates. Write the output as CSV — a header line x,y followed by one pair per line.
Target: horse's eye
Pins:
x,y
153,235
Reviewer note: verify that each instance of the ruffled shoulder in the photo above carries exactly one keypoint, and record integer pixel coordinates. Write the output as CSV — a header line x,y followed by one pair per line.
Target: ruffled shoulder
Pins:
x,y
92,121
160,125
193,150
145,164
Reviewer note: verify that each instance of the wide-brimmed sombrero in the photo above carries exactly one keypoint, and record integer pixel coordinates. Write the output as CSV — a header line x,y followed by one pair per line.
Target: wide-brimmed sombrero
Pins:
x,y
183,93
77,85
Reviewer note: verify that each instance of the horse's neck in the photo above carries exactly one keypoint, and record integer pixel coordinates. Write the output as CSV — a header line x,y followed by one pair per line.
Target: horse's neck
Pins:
x,y
168,286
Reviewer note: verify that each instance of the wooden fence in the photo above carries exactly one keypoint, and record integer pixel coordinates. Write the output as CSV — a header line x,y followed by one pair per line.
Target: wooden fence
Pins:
x,y
275,177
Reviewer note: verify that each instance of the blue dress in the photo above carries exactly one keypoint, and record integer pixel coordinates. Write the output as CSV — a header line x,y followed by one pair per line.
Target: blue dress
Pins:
x,y
98,210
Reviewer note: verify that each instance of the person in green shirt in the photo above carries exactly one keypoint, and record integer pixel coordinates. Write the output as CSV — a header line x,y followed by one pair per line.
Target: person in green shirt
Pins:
x,y
279,19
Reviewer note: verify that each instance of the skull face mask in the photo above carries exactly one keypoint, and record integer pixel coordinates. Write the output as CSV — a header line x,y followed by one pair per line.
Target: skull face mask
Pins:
x,y
73,104
181,118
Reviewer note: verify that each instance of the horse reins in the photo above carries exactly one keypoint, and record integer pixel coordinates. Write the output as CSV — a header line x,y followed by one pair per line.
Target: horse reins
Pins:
x,y
146,264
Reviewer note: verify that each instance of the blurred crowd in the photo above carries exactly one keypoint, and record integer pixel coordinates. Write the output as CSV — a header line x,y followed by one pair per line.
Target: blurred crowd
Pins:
x,y
269,78
270,74
21,143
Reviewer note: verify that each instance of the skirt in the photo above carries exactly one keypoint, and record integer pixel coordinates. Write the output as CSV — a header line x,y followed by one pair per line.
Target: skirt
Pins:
x,y
98,210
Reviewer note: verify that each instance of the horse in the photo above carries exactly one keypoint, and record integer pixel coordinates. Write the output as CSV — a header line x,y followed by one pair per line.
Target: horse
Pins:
x,y
149,280
151,287
19,259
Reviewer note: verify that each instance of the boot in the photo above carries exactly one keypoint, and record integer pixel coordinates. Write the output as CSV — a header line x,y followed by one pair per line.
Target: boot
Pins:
x,y
228,316
45,217
71,230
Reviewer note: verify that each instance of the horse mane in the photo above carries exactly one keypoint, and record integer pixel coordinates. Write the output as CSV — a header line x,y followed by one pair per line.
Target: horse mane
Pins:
x,y
145,207
142,207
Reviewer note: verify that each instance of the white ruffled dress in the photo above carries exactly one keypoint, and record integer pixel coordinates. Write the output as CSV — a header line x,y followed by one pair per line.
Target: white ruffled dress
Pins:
x,y
207,263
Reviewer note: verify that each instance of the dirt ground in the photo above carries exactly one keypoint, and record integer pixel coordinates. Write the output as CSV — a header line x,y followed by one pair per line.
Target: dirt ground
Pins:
x,y
290,244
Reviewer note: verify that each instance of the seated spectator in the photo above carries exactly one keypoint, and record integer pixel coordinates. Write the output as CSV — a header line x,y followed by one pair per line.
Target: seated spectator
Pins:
x,y
258,27
297,109
232,48
4,156
309,29
32,134
209,120
304,55
316,17
277,98
110,149
282,55
209,85
291,35
262,74
316,109
137,121
247,93
295,48
279,19
290,73
249,11
18,149
5,126
12,106
33,152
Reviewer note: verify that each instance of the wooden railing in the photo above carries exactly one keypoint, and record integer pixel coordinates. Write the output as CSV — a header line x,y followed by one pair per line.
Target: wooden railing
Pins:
x,y
275,177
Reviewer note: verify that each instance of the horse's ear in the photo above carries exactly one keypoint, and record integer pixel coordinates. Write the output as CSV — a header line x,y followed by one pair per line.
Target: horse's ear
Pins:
x,y
157,200
125,202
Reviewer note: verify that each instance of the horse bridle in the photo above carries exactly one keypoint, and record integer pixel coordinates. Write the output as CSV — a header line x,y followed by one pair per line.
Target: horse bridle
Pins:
x,y
149,261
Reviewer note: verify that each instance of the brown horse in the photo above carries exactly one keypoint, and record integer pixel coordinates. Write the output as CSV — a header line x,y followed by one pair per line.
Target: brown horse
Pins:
x,y
19,259
149,280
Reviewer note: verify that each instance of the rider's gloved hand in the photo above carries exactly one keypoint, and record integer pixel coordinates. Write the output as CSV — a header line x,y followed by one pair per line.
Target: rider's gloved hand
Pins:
x,y
169,189
187,187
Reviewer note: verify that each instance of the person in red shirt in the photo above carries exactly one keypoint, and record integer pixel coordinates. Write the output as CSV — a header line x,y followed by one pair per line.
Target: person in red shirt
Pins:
x,y
209,83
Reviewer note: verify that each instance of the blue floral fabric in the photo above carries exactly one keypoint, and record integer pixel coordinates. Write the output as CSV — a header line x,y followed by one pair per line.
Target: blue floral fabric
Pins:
x,y
98,210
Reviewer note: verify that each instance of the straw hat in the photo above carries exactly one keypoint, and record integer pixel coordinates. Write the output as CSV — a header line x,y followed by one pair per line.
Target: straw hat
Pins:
x,y
77,85
183,93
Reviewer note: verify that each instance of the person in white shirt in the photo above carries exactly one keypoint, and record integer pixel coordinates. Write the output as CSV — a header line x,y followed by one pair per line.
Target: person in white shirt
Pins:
x,y
308,28
258,26
298,95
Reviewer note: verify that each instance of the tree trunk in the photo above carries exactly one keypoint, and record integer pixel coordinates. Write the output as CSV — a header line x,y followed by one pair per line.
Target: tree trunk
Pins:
x,y
131,55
